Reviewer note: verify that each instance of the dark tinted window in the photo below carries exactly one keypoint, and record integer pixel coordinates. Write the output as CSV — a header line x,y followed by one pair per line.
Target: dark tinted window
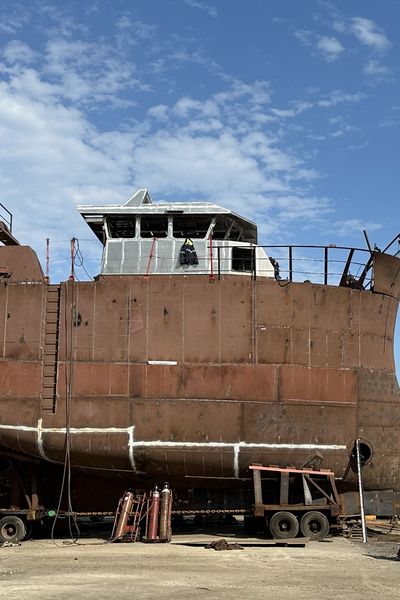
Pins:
x,y
226,229
121,227
192,226
242,259
154,226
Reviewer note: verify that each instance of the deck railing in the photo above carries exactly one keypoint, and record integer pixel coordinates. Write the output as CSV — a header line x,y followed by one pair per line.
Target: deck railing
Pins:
x,y
328,265
6,216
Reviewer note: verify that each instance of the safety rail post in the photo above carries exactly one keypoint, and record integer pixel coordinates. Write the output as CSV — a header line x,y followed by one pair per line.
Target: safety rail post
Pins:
x,y
212,276
290,248
326,265
254,265
10,217
73,254
219,261
47,260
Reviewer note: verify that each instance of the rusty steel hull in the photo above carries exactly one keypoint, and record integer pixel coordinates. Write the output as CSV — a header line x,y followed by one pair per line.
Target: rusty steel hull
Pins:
x,y
190,379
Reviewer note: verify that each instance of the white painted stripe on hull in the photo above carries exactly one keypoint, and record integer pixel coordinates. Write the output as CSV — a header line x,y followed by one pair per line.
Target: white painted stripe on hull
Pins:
x,y
236,447
163,444
132,444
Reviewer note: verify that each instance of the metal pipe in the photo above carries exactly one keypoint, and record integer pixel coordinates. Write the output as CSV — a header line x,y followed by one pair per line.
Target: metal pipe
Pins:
x,y
367,240
360,491
219,261
326,266
290,263
392,242
154,511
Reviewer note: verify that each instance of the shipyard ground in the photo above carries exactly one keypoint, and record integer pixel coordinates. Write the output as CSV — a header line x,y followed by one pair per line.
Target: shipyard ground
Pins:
x,y
94,569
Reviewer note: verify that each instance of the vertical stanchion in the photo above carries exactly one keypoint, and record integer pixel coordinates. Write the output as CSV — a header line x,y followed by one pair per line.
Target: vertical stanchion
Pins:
x,y
47,260
326,266
73,253
211,257
360,491
290,263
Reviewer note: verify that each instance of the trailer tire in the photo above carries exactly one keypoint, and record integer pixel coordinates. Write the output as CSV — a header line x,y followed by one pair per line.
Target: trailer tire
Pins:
x,y
12,529
314,525
283,525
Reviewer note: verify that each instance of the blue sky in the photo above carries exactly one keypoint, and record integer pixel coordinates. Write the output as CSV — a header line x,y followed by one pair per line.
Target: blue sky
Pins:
x,y
286,111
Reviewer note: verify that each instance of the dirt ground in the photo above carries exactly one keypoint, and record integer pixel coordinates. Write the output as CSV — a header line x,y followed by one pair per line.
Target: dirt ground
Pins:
x,y
94,569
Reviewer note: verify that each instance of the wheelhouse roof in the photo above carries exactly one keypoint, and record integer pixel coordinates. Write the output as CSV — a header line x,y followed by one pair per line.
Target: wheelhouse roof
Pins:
x,y
141,204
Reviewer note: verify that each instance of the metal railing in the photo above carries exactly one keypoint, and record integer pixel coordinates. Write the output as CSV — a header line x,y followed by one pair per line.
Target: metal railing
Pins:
x,y
328,265
6,216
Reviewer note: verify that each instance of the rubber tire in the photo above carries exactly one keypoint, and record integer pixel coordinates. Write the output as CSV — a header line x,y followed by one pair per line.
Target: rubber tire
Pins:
x,y
314,525
291,525
16,529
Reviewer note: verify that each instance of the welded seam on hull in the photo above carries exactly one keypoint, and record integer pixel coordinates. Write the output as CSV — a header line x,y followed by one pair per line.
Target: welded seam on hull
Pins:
x,y
131,431
160,443
132,444
39,430
40,440
236,447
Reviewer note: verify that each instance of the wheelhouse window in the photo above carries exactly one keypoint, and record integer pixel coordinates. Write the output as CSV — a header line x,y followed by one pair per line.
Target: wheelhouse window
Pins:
x,y
121,227
242,259
192,226
227,229
153,226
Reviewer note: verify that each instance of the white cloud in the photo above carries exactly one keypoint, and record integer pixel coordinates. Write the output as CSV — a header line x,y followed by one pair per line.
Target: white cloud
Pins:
x,y
90,73
18,52
352,226
210,9
295,207
359,146
230,147
338,97
375,69
304,36
330,48
369,34
16,18
327,101
53,157
345,128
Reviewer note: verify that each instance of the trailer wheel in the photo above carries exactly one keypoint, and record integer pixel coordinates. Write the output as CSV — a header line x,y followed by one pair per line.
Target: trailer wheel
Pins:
x,y
12,529
314,525
283,525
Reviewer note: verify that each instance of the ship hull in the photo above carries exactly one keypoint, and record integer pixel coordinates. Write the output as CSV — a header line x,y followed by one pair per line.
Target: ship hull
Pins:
x,y
192,379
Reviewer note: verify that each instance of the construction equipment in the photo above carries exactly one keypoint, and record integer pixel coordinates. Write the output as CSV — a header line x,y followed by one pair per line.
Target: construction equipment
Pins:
x,y
158,515
128,517
295,499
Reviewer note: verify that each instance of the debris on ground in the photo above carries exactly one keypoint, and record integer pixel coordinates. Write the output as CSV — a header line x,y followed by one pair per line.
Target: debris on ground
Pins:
x,y
9,544
224,545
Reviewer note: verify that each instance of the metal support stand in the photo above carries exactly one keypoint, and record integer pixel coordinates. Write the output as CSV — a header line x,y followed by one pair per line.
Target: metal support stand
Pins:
x,y
360,491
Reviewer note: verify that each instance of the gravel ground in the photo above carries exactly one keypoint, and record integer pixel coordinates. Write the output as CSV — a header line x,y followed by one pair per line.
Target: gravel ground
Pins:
x,y
93,569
